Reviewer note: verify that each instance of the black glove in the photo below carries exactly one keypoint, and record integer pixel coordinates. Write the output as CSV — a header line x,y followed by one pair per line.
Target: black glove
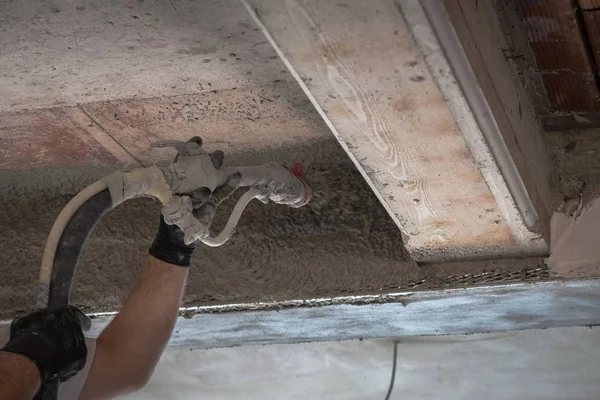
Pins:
x,y
53,340
168,245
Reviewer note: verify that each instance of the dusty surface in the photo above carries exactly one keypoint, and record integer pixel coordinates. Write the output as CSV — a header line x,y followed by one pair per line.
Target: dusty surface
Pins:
x,y
66,52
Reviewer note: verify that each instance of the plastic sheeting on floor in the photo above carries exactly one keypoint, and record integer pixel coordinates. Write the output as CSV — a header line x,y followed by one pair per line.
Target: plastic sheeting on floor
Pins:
x,y
561,363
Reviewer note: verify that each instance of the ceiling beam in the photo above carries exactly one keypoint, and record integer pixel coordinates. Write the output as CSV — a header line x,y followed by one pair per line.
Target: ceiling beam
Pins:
x,y
418,313
379,78
483,41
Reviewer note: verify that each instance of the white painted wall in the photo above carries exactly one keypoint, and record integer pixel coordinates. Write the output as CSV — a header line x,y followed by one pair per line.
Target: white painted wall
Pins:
x,y
561,363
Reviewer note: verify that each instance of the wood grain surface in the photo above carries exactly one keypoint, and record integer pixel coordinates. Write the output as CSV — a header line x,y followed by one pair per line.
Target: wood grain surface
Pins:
x,y
358,63
481,35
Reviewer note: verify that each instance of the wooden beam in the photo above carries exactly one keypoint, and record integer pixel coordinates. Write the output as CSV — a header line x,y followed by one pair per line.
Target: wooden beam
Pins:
x,y
441,312
483,40
379,93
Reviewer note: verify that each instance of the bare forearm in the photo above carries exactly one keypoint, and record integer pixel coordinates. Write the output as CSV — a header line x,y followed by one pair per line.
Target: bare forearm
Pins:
x,y
19,377
131,345
144,325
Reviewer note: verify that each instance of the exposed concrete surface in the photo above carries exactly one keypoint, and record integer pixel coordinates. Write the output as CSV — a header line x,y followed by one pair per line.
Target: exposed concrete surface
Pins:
x,y
48,137
242,121
576,155
575,250
67,52
552,364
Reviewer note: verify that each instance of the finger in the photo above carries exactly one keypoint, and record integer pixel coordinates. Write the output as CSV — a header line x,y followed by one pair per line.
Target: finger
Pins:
x,y
180,149
17,326
197,140
217,157
223,192
200,196
206,212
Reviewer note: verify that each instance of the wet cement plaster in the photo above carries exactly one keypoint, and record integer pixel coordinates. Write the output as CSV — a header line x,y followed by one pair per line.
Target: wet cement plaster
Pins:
x,y
576,158
344,243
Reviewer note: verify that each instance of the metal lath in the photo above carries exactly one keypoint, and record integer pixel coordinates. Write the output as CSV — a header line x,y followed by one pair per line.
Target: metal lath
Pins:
x,y
494,276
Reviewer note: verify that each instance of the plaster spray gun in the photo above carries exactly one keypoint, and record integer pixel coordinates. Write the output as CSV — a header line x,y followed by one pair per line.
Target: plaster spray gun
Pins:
x,y
194,176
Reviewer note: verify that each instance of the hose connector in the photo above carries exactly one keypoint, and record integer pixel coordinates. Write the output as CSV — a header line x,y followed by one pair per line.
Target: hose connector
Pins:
x,y
298,172
282,186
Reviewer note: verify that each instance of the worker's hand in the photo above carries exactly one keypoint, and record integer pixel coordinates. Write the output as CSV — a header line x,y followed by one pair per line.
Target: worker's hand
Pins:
x,y
188,216
53,340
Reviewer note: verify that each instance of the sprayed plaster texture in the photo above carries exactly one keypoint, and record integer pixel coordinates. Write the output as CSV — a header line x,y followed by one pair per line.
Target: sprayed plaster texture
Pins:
x,y
343,243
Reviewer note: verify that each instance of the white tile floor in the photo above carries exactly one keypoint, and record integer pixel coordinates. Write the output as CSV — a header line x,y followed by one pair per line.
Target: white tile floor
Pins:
x,y
548,364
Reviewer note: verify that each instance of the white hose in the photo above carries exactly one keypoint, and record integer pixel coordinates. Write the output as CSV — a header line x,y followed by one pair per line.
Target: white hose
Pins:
x,y
54,237
227,231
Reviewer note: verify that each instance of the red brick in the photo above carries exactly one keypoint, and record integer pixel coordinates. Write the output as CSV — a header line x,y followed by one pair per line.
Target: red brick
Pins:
x,y
592,25
589,4
555,36
569,91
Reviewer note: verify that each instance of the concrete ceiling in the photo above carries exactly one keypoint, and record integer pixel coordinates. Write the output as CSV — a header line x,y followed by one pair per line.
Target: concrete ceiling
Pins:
x,y
68,52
